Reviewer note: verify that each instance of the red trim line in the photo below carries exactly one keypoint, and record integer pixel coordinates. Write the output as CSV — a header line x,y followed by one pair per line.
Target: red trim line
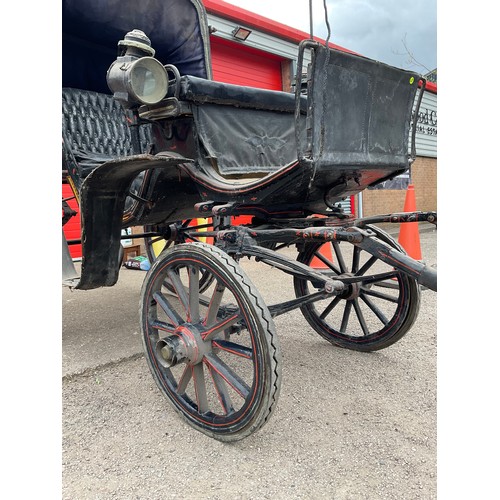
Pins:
x,y
253,186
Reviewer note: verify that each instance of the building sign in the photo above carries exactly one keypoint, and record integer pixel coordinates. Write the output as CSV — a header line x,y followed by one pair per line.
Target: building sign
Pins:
x,y
427,127
427,121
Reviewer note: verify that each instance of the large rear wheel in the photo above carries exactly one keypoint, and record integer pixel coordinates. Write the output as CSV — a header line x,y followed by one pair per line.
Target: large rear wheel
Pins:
x,y
215,356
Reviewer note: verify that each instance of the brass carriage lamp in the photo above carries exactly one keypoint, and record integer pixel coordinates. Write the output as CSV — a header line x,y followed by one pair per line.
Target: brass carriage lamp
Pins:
x,y
136,77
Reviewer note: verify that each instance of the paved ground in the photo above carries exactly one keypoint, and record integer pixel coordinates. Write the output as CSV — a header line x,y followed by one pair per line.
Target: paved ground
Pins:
x,y
348,425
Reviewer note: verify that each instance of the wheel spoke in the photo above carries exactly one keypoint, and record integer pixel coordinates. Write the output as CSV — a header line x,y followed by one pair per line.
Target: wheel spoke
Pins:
x,y
221,389
194,294
355,259
152,241
345,317
231,347
200,388
380,315
214,305
179,288
340,257
330,307
228,375
380,295
327,263
167,308
184,380
222,325
161,325
361,318
378,278
387,284
192,238
369,263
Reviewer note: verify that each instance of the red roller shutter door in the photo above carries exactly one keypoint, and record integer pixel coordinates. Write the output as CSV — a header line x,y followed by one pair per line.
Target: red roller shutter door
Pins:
x,y
240,65
72,229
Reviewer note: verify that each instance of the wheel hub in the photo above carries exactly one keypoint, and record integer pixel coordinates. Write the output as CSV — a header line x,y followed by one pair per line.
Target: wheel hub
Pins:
x,y
185,345
352,290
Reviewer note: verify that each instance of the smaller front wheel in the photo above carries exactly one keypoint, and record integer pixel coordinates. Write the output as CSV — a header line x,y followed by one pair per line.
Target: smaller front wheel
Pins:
x,y
369,315
214,355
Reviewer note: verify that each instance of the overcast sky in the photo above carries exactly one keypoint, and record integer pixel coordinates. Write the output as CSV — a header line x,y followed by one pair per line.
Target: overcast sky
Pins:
x,y
373,28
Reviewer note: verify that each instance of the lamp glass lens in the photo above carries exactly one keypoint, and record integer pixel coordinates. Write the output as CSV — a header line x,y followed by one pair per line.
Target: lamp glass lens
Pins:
x,y
148,80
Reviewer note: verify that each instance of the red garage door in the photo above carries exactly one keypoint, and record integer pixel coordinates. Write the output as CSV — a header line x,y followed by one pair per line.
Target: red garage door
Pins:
x,y
235,63
72,227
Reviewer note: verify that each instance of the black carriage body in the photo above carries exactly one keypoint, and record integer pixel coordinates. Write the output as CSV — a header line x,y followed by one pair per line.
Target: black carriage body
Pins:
x,y
214,147
277,154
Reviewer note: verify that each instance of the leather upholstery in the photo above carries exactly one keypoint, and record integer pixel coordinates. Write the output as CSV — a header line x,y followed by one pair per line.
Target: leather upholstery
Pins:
x,y
95,131
95,128
200,91
94,123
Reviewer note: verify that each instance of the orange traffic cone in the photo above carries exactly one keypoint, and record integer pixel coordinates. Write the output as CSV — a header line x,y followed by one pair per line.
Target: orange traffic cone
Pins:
x,y
325,250
409,236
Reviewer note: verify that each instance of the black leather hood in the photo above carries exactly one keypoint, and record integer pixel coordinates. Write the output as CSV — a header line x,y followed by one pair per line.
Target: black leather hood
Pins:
x,y
91,29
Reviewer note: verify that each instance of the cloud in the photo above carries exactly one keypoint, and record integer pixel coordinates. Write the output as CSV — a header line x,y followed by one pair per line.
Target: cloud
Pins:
x,y
373,28
380,29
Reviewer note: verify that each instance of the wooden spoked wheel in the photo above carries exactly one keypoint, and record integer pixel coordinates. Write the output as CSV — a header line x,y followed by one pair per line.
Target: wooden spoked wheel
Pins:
x,y
368,316
215,356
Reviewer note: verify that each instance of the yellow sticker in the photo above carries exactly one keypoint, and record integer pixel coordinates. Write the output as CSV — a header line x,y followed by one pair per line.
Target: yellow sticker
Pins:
x,y
412,79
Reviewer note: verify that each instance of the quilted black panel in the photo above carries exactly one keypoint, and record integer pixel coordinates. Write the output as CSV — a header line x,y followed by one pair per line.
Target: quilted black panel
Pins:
x,y
95,123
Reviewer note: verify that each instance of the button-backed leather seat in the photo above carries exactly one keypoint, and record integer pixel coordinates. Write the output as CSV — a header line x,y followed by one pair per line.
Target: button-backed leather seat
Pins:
x,y
95,130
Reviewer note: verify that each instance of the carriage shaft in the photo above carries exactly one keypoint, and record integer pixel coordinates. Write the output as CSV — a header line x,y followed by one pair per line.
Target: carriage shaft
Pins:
x,y
290,305
424,274
398,218
244,241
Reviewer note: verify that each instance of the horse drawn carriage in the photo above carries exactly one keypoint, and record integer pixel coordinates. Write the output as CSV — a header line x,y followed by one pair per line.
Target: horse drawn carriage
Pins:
x,y
151,140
